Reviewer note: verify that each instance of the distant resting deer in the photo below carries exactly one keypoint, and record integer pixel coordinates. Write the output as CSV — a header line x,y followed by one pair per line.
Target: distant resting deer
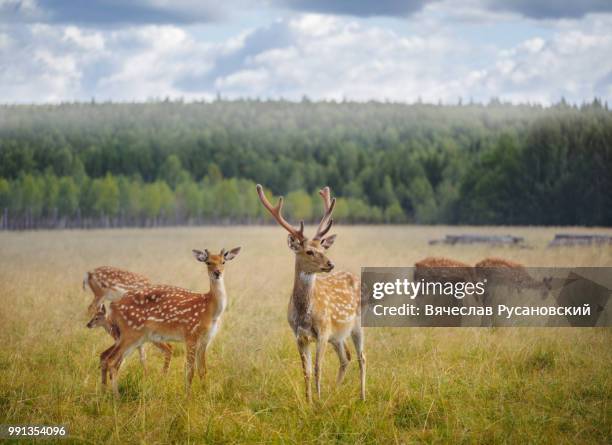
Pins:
x,y
322,308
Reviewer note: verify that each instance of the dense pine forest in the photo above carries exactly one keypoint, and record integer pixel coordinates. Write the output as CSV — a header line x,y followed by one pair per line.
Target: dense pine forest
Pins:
x,y
169,162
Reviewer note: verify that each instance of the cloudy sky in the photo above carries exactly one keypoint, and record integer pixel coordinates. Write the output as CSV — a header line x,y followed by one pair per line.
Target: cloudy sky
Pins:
x,y
398,50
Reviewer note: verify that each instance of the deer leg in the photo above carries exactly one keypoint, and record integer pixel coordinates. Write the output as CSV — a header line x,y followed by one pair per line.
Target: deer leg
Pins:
x,y
189,365
304,348
340,347
166,349
113,362
143,358
116,358
201,361
486,320
104,363
347,350
357,336
321,345
98,299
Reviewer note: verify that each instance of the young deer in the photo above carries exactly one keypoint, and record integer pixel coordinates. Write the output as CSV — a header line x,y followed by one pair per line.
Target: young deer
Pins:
x,y
166,313
101,320
321,309
110,283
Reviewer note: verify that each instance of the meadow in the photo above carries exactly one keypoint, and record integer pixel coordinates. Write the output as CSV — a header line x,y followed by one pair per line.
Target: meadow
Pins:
x,y
432,385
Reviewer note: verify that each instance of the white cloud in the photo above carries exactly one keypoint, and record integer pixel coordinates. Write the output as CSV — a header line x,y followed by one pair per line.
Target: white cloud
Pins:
x,y
322,56
92,41
574,64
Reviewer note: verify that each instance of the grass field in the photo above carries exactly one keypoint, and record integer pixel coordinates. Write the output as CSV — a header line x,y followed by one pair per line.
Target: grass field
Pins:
x,y
436,385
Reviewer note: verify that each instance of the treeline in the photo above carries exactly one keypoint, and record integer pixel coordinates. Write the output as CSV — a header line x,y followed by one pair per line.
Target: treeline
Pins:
x,y
47,201
90,165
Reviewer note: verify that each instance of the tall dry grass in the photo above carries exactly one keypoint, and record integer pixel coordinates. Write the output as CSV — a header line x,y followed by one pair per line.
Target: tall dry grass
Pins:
x,y
521,385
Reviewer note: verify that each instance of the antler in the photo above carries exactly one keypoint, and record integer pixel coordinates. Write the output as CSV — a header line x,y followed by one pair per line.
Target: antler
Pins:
x,y
326,222
275,211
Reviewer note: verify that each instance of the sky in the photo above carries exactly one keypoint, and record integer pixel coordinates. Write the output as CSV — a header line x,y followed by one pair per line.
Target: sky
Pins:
x,y
519,51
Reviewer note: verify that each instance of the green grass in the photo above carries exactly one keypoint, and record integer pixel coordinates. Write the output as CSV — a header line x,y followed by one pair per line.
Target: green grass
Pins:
x,y
435,385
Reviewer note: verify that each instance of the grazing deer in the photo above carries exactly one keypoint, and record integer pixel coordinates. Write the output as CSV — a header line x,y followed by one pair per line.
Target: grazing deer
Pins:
x,y
321,308
445,270
108,284
513,274
101,320
166,313
510,274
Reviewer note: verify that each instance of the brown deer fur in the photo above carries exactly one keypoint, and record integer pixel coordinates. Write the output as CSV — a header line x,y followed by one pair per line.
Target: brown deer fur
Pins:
x,y
110,283
514,274
444,269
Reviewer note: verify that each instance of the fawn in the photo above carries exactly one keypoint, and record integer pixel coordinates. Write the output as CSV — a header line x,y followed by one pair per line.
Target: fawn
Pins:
x,y
101,320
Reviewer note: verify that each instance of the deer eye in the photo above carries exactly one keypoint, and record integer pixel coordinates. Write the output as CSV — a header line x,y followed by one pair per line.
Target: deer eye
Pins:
x,y
309,252
223,262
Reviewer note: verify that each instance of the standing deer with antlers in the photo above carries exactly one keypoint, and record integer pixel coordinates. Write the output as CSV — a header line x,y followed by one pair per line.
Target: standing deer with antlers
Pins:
x,y
167,313
321,308
109,284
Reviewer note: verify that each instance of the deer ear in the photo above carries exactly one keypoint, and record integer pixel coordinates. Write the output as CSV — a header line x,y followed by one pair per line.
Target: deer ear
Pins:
x,y
294,243
328,242
200,256
232,253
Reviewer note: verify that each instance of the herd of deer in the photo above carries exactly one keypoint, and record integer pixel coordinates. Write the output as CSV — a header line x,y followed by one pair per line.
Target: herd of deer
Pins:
x,y
513,274
322,308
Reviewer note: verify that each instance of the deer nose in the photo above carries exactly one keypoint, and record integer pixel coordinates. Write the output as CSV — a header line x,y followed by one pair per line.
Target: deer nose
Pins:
x,y
217,273
330,265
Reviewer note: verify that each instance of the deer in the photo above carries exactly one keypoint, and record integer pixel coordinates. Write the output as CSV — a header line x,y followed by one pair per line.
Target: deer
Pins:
x,y
446,270
322,308
513,274
441,268
101,320
108,284
510,274
162,313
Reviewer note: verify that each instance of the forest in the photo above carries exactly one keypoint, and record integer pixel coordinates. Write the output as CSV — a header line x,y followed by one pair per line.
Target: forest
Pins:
x,y
177,163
